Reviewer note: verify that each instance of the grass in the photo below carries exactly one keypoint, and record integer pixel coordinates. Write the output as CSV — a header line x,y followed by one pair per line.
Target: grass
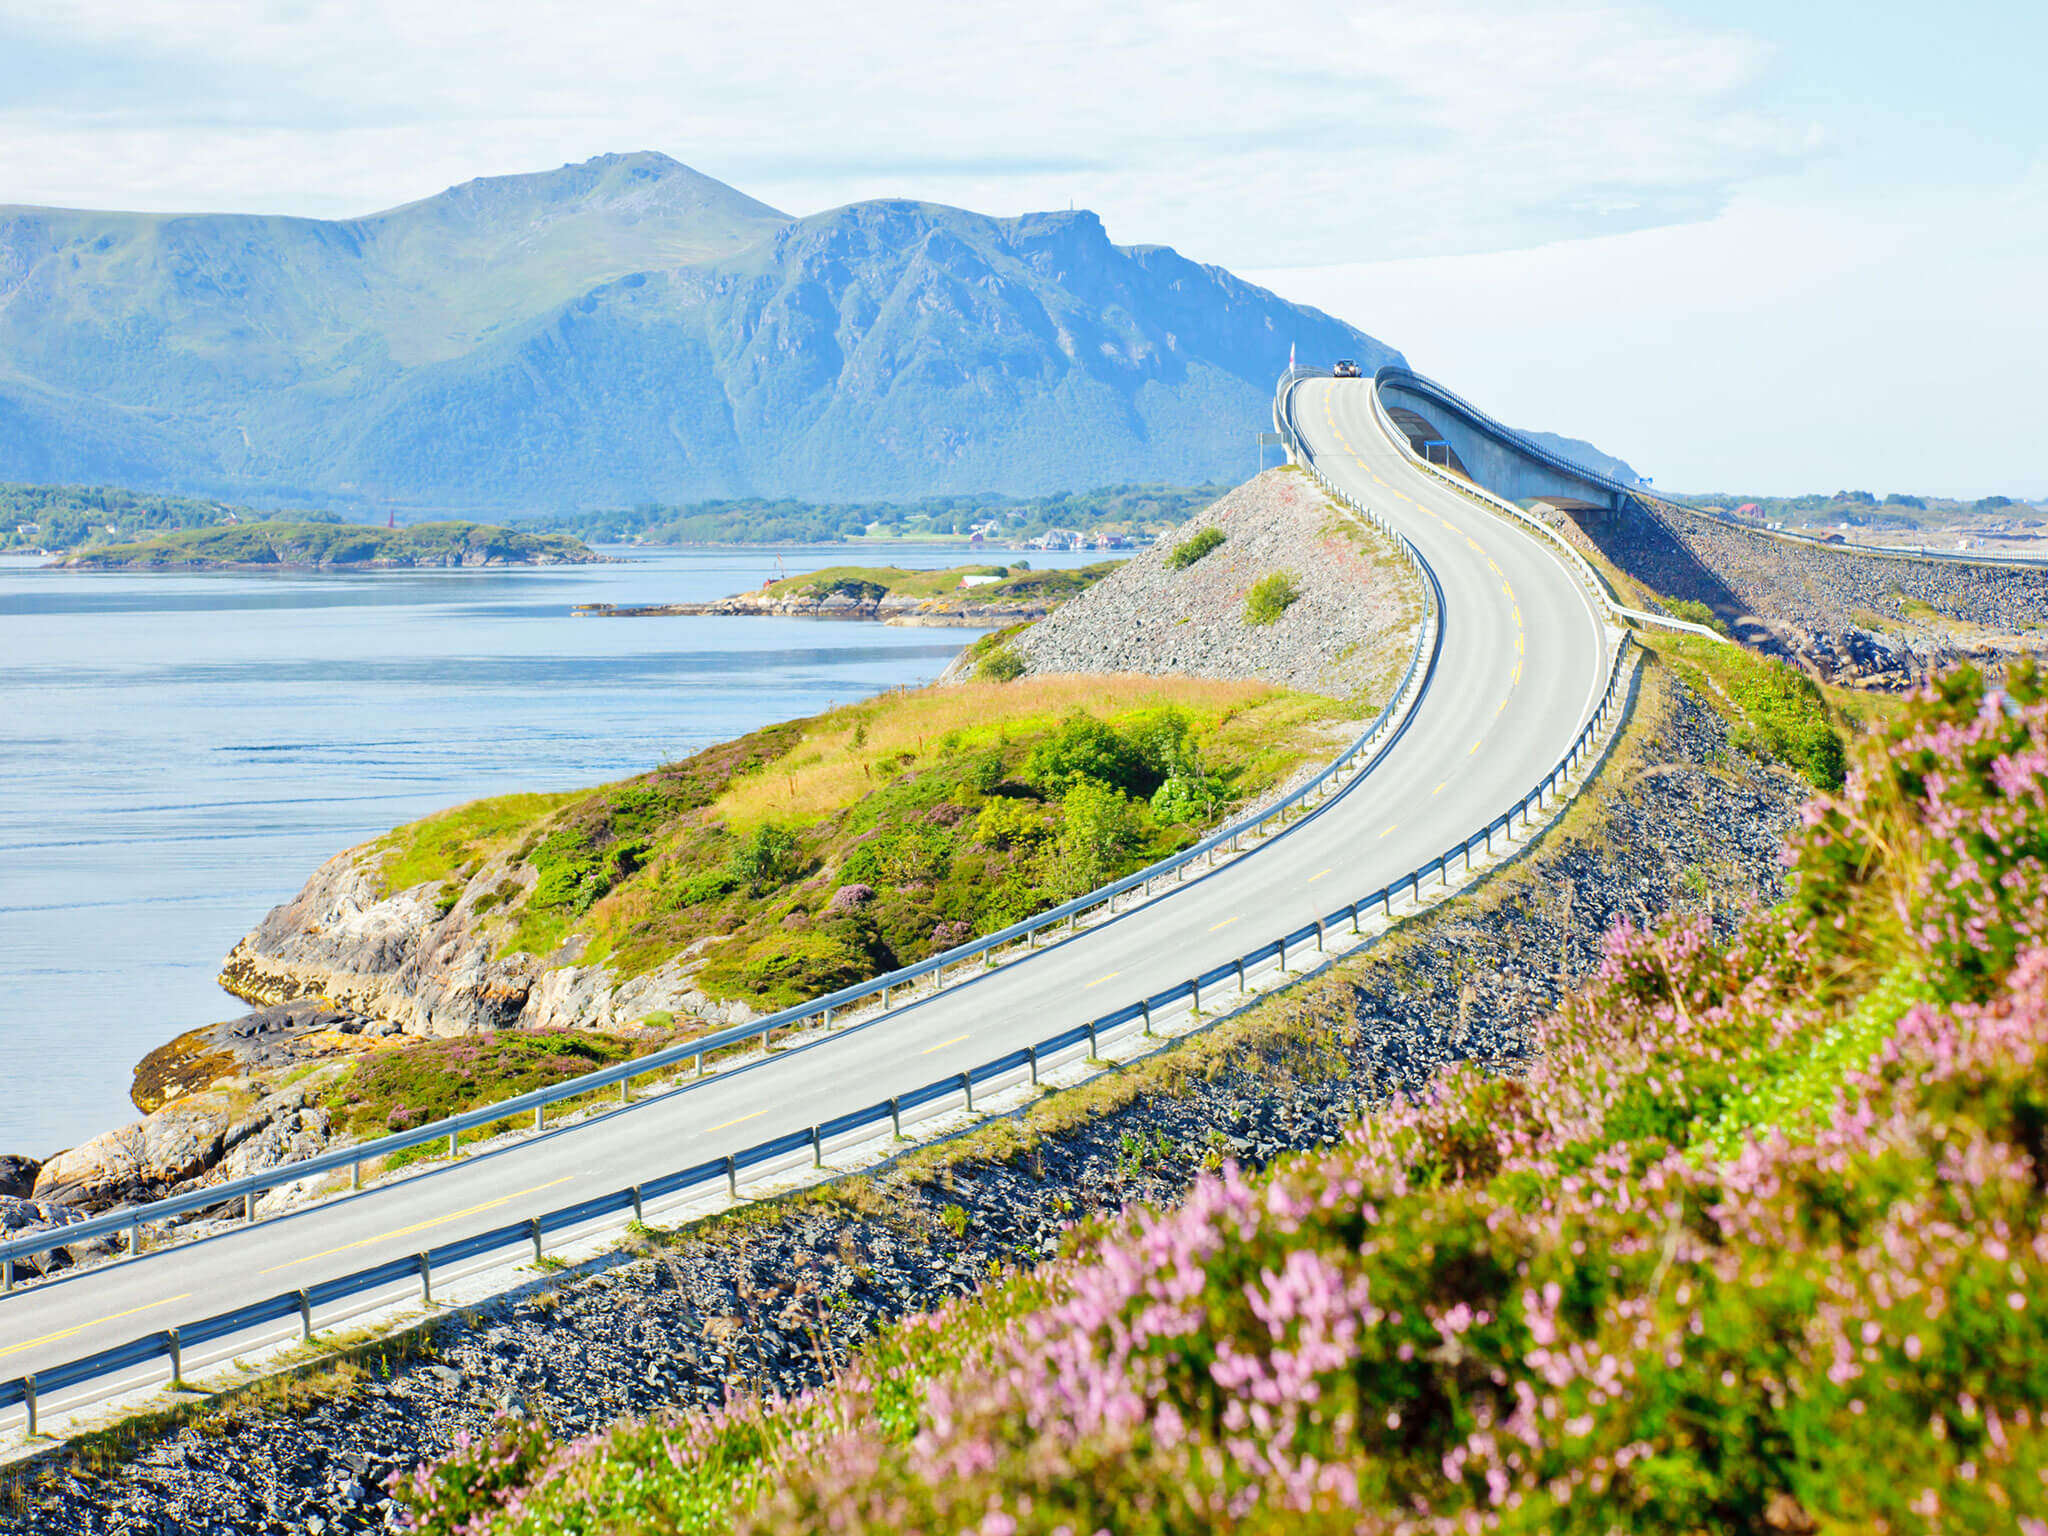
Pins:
x,y
1776,712
743,846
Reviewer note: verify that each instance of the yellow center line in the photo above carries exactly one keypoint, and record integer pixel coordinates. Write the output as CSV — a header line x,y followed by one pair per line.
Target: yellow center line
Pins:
x,y
727,1125
1098,981
114,1317
1516,675
942,1045
1475,543
1312,879
1389,830
418,1226
1440,788
1476,746
1224,924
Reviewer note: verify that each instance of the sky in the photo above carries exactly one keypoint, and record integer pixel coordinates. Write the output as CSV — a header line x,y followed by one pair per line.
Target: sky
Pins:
x,y
1750,246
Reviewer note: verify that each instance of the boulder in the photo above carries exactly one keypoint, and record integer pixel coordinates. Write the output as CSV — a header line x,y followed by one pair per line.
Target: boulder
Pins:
x,y
18,1177
138,1161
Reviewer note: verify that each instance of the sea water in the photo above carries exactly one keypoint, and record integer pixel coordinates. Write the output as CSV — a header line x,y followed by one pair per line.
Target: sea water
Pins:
x,y
179,752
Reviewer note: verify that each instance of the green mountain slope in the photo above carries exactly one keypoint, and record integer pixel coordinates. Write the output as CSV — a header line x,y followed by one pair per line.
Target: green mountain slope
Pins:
x,y
624,330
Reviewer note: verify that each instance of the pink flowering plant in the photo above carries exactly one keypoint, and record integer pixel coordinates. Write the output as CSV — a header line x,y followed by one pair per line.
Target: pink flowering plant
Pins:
x,y
1756,1242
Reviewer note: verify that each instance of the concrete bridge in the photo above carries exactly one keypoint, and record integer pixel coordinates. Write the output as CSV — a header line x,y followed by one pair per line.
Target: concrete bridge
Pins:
x,y
1447,430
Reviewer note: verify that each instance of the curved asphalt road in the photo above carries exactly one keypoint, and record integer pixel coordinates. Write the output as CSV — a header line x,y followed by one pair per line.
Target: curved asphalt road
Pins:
x,y
1523,660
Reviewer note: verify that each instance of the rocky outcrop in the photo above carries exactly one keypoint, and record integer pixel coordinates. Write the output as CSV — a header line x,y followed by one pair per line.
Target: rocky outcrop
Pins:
x,y
141,1161
18,1177
1348,632
25,1217
411,969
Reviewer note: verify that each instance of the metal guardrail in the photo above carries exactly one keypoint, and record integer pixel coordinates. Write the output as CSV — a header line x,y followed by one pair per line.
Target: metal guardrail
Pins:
x,y
531,1232
170,1343
1364,752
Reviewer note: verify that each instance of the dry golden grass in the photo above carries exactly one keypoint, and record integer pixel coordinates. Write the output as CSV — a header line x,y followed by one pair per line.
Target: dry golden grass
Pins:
x,y
826,771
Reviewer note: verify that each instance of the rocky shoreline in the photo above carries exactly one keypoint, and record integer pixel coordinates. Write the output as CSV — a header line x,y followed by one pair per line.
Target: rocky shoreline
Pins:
x,y
769,1299
909,612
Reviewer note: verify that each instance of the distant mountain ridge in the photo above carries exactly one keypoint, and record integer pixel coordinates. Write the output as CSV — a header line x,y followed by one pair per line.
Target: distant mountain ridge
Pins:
x,y
620,331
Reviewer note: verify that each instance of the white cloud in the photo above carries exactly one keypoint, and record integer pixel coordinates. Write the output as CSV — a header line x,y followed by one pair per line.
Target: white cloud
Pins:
x,y
1781,347
1287,133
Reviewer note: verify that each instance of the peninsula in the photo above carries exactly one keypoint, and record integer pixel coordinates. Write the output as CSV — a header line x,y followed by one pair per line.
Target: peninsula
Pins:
x,y
970,596
335,546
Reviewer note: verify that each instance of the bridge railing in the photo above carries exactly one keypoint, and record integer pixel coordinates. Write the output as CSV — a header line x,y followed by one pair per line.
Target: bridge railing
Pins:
x,y
779,1153
975,956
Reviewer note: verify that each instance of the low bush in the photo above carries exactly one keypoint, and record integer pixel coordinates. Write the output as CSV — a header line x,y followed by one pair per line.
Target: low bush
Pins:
x,y
1191,549
1271,595
1002,665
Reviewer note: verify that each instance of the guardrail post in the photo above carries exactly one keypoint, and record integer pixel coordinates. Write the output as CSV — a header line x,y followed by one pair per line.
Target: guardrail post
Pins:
x,y
355,1174
539,1117
625,1083
826,1018
697,1063
249,1206
1195,983
1387,902
1240,975
426,1264
769,1034
1034,1066
639,1215
134,1238
533,1234
732,1177
885,996
28,1397
1283,956
6,1276
1354,917
1146,1005
451,1143
817,1148
1094,1053
967,1087
896,1119
1320,936
177,1357
305,1316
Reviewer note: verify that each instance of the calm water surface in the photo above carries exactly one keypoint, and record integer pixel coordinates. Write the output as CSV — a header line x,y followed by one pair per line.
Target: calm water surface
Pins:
x,y
179,752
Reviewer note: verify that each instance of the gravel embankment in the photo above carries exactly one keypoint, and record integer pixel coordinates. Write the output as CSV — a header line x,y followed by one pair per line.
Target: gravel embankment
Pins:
x,y
1678,818
1829,605
1348,633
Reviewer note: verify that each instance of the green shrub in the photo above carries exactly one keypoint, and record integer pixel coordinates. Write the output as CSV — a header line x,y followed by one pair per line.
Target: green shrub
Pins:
x,y
988,771
1102,828
1271,595
766,860
1695,612
1010,824
1187,799
690,888
1189,550
899,856
1002,665
1086,748
787,968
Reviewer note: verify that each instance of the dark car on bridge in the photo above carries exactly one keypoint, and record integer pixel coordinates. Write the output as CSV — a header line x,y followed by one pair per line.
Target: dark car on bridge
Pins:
x,y
1346,368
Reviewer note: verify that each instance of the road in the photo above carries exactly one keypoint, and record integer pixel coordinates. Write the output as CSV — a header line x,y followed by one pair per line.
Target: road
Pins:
x,y
1524,657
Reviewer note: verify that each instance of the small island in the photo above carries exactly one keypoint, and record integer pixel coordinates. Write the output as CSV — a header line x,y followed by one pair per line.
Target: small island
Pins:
x,y
324,546
970,596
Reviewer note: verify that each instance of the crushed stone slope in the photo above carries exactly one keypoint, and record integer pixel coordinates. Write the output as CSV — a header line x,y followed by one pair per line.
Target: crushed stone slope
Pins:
x,y
1347,635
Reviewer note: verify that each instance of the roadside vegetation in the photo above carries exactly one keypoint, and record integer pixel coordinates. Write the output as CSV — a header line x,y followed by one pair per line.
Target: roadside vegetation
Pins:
x,y
1776,711
820,852
1271,595
1755,1243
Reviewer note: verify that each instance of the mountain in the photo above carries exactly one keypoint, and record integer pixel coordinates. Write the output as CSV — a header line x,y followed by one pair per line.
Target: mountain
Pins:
x,y
620,331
